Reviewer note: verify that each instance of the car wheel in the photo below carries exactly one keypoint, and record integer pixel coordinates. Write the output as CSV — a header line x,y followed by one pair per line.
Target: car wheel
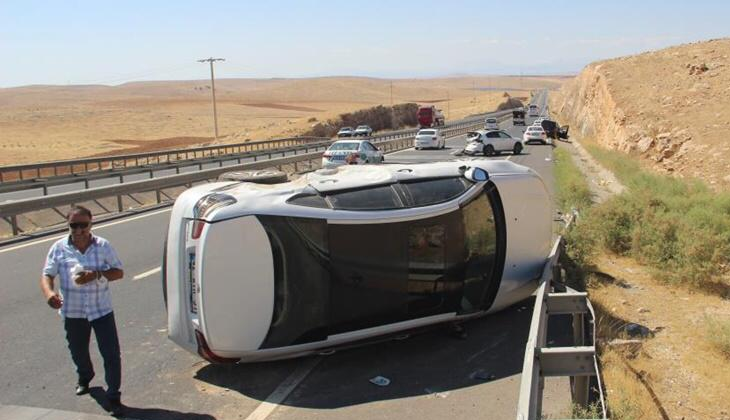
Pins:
x,y
417,148
489,150
517,149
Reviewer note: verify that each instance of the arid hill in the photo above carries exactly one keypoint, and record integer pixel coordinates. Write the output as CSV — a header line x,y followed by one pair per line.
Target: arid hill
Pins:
x,y
671,107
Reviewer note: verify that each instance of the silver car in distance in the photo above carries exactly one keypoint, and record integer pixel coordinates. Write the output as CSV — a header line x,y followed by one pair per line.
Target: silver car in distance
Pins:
x,y
259,272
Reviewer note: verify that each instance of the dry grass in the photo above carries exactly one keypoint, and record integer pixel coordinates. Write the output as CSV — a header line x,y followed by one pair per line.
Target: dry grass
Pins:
x,y
55,122
679,363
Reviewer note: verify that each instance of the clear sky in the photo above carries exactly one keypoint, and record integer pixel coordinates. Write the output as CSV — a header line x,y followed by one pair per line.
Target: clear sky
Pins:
x,y
112,42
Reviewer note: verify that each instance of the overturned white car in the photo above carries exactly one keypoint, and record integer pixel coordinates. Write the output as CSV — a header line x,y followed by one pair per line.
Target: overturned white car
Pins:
x,y
258,272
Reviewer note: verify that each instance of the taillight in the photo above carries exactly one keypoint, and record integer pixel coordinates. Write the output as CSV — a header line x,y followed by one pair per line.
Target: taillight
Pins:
x,y
197,229
352,157
206,353
326,155
204,206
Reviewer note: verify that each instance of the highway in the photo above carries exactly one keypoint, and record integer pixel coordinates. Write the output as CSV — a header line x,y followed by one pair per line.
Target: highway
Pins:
x,y
433,375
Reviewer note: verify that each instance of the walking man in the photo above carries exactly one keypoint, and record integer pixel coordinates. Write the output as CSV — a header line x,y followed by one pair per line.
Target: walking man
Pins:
x,y
84,263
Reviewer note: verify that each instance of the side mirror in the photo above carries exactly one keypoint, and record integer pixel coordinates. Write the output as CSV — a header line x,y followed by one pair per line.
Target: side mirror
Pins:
x,y
476,174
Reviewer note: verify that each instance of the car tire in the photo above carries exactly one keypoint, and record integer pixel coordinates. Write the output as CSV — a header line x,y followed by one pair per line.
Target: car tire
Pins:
x,y
517,149
488,150
264,176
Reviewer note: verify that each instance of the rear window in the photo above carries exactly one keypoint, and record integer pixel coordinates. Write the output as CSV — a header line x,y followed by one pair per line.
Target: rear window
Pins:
x,y
434,191
344,146
378,198
491,120
362,127
427,132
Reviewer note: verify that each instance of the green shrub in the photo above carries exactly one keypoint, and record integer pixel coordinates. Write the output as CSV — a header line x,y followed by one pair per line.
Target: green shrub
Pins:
x,y
678,227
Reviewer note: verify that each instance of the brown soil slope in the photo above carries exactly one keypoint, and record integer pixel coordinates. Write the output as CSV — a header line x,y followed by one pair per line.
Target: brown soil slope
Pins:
x,y
671,106
40,123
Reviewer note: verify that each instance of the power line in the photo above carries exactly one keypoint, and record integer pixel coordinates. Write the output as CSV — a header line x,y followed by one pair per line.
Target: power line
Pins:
x,y
211,60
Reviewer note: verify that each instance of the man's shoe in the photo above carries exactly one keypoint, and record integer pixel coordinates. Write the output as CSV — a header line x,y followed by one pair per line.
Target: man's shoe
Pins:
x,y
82,389
116,408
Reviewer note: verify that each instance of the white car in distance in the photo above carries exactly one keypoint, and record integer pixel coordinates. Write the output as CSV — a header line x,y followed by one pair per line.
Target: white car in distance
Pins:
x,y
429,138
491,142
363,130
491,124
345,132
535,133
351,152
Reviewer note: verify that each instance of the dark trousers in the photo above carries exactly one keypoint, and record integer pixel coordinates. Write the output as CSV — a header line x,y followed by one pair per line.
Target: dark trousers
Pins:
x,y
78,334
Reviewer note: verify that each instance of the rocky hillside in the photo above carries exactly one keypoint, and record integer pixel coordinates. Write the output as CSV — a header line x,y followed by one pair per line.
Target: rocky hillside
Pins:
x,y
671,107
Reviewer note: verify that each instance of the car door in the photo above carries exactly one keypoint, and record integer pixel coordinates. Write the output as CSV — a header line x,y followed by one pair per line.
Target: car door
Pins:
x,y
371,152
506,141
494,139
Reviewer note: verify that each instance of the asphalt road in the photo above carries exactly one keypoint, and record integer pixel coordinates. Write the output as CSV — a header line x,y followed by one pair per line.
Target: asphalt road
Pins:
x,y
432,374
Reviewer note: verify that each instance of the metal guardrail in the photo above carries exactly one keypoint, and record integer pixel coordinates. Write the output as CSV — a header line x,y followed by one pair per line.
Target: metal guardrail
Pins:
x,y
10,210
86,165
73,167
132,164
579,361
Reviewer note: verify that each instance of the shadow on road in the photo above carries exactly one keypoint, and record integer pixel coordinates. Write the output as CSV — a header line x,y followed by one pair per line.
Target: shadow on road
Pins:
x,y
432,362
138,413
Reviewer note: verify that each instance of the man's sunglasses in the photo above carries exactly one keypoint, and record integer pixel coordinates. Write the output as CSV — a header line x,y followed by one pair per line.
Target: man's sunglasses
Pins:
x,y
78,225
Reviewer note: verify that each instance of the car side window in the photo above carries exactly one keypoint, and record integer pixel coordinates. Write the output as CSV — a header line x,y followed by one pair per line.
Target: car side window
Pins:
x,y
493,135
369,147
504,135
378,198
433,191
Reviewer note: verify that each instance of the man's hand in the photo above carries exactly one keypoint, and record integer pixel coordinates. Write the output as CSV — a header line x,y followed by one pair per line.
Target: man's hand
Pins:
x,y
54,301
85,277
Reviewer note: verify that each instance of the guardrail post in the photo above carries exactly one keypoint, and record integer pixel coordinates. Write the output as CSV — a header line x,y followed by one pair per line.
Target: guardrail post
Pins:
x,y
14,224
119,203
157,195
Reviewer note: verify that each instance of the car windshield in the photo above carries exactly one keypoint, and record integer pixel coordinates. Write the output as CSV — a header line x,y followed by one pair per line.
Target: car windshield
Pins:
x,y
362,127
491,120
426,132
346,129
344,146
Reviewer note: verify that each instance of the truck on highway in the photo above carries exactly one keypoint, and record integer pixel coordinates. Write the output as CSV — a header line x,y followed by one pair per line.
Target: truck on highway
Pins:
x,y
429,116
518,117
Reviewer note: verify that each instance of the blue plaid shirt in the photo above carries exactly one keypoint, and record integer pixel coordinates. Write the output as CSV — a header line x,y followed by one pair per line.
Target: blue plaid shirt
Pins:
x,y
91,300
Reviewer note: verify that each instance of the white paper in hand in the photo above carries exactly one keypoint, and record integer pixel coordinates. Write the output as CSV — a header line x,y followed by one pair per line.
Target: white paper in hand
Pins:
x,y
75,270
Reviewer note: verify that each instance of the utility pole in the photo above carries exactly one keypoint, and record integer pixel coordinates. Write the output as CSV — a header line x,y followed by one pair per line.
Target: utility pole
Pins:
x,y
392,110
448,105
211,60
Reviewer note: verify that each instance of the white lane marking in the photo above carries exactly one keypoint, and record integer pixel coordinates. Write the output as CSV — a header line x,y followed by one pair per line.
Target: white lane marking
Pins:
x,y
283,390
147,273
55,238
